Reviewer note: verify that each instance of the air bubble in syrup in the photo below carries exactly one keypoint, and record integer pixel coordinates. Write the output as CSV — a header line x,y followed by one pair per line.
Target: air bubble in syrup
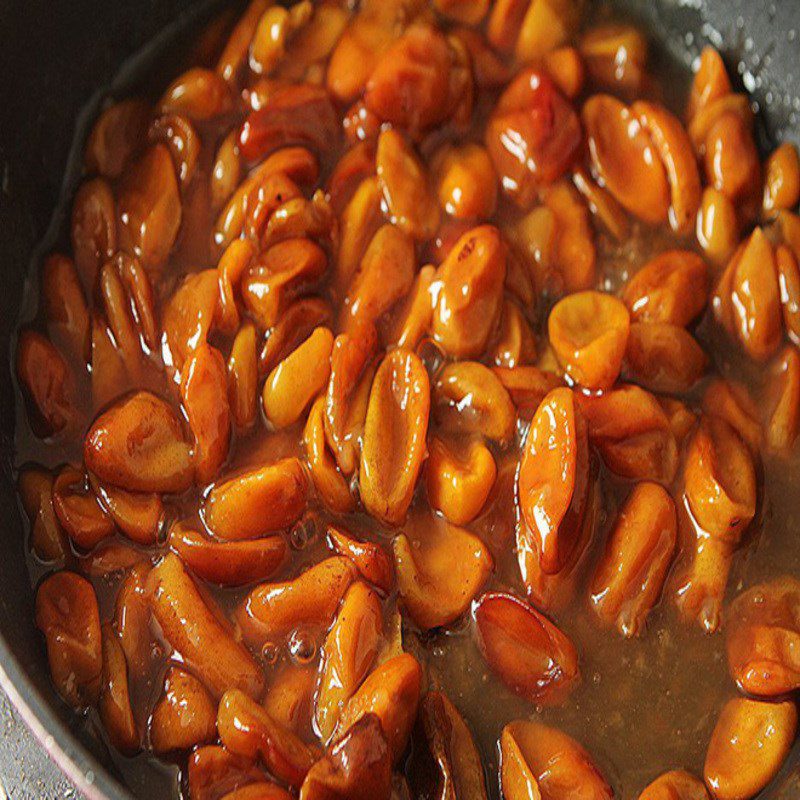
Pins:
x,y
302,646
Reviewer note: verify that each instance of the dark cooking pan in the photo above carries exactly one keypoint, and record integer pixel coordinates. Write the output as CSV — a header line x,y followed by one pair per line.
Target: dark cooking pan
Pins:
x,y
57,60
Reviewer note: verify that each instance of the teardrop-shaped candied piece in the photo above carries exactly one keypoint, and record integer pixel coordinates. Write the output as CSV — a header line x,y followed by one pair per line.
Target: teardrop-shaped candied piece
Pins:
x,y
370,559
315,32
138,445
448,743
553,479
630,575
624,159
720,480
763,638
138,294
198,94
459,479
527,651
633,433
350,356
188,317
515,342
710,82
137,515
537,761
469,398
78,510
352,168
547,24
784,392
675,785
114,704
278,276
504,23
675,150
663,358
789,282
781,178
132,615
182,140
748,746
756,304
226,171
228,563
246,729
121,320
468,291
589,333
116,135
533,135
573,250
553,592
242,377
394,436
237,46
328,481
48,541
309,600
702,581
195,630
290,694
489,69
440,569
604,207
47,384
732,401
566,67
296,114
185,716
384,277
411,320
410,83
348,653
466,183
406,186
257,502
358,766
391,692
731,162
295,325
110,560
233,263
535,238
213,770
93,228
68,616
149,207
261,790
298,379
65,306
616,57
204,391
672,287
717,226
359,222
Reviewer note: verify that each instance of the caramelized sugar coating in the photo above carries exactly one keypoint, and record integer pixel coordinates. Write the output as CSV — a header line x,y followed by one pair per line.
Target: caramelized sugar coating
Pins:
x,y
403,357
